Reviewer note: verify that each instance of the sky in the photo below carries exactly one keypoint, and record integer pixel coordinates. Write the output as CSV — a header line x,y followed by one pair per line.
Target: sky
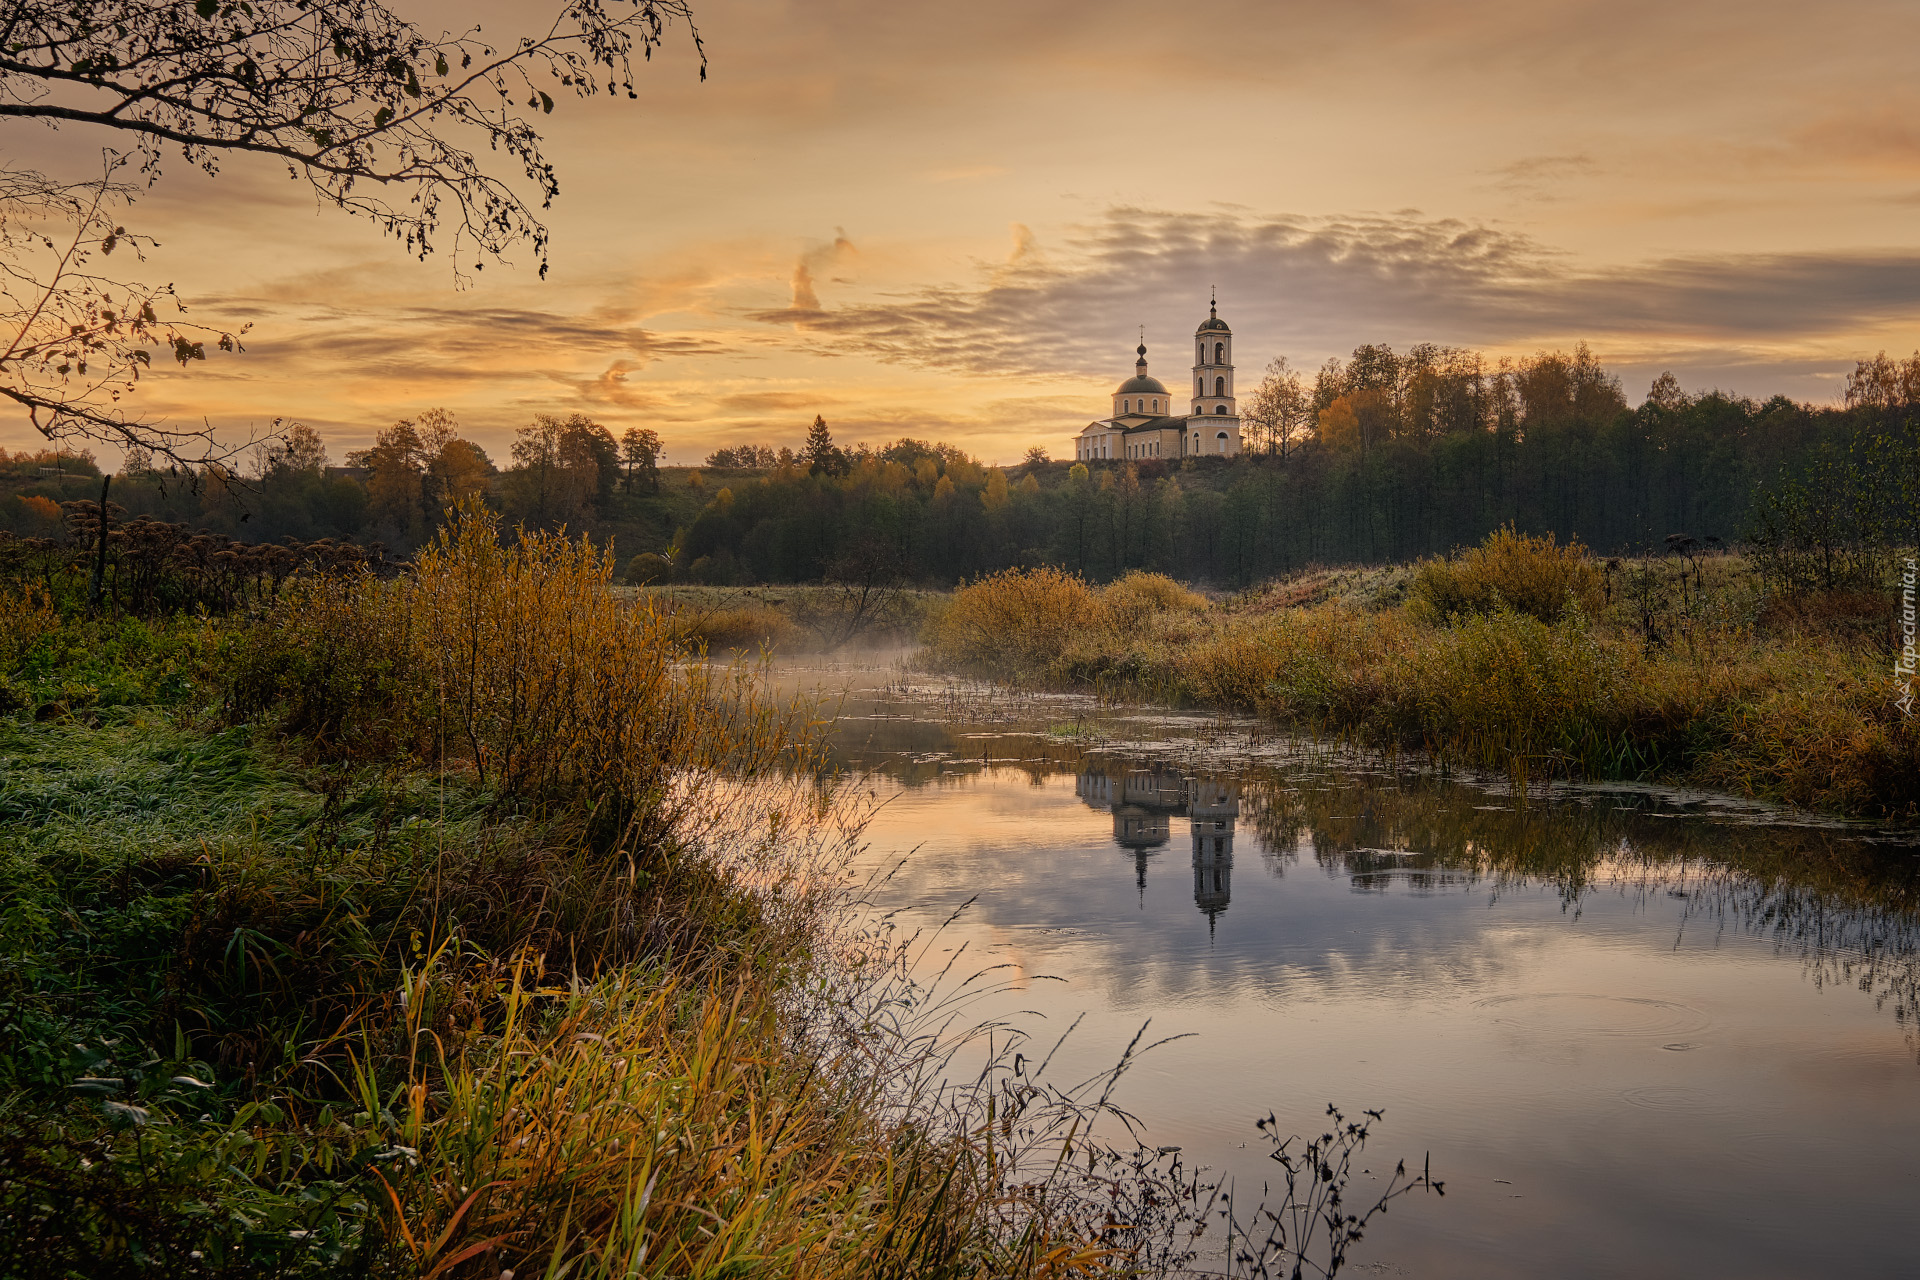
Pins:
x,y
954,222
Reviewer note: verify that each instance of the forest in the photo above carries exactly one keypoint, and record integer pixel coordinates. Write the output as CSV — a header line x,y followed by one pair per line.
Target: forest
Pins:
x,y
1380,458
1407,456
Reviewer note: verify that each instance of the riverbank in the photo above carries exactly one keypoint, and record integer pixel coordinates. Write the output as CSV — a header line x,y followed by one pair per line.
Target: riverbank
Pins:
x,y
1521,656
457,925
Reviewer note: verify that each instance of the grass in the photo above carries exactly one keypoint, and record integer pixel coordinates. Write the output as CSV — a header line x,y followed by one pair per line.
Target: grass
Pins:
x,y
462,924
1522,657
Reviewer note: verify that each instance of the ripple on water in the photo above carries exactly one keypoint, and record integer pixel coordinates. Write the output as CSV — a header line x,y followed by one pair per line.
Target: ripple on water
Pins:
x,y
1669,1097
1578,1014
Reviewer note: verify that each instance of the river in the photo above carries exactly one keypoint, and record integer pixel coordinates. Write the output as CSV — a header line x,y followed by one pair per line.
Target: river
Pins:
x,y
1636,1031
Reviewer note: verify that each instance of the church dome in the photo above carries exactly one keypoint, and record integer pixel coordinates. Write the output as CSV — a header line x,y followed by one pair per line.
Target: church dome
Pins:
x,y
1213,324
1140,383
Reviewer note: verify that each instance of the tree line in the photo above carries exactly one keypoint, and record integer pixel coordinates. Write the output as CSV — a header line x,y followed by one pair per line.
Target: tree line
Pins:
x,y
1380,457
567,472
1389,456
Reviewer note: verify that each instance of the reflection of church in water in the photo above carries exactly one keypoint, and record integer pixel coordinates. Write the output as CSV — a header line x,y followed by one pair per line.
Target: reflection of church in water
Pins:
x,y
1143,802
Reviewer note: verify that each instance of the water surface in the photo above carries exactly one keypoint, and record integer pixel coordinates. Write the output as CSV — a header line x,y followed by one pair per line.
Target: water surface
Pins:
x,y
1640,1032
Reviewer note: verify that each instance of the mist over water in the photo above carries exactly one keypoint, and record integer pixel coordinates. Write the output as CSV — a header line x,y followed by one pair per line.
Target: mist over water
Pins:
x,y
1639,1032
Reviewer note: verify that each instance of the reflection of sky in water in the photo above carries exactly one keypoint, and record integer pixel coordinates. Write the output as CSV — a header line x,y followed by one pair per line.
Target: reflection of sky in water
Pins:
x,y
1669,1069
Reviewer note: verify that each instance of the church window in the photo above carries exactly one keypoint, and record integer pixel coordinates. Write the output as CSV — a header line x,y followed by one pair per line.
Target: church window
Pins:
x,y
1156,404
1219,353
1220,442
1126,406
1219,408
1219,386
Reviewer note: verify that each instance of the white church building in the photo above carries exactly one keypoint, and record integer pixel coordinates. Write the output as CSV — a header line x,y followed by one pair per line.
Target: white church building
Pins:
x,y
1144,423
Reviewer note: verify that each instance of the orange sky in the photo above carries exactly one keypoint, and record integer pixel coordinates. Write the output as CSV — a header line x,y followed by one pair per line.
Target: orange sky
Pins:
x,y
951,221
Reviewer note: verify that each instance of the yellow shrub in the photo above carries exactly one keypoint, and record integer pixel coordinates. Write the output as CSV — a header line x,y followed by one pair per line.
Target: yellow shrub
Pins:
x,y
748,626
1138,596
518,660
1017,622
1332,665
1530,575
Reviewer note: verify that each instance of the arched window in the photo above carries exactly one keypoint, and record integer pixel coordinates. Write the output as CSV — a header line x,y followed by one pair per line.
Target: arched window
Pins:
x,y
1196,442
1126,406
1156,404
1219,408
1219,386
1219,353
1199,385
1220,442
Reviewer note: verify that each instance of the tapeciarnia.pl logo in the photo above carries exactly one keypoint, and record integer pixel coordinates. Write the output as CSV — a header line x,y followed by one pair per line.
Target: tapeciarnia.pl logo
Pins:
x,y
1903,666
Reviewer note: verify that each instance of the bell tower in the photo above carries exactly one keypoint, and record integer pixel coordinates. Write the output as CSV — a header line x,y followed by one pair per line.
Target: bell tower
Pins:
x,y
1213,365
1214,426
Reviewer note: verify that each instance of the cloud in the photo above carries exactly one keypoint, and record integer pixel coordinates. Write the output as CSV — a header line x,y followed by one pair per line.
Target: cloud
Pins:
x,y
774,401
805,304
804,298
1542,178
1323,284
1533,169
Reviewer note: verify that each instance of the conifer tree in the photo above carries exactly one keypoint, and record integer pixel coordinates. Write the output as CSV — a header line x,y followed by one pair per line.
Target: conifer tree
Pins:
x,y
822,455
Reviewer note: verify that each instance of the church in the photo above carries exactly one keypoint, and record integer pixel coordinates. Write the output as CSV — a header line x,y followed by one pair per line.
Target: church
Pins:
x,y
1144,424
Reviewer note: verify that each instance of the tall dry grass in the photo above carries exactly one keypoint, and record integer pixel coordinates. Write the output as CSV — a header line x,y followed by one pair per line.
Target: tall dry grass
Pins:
x,y
1520,656
514,660
661,1125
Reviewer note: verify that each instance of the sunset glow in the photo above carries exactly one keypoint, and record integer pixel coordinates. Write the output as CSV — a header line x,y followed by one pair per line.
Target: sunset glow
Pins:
x,y
953,223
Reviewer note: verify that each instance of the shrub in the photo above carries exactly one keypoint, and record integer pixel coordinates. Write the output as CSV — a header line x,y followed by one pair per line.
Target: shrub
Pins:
x,y
517,661
1506,690
1016,623
737,627
1137,596
1333,666
26,614
1528,574
649,567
